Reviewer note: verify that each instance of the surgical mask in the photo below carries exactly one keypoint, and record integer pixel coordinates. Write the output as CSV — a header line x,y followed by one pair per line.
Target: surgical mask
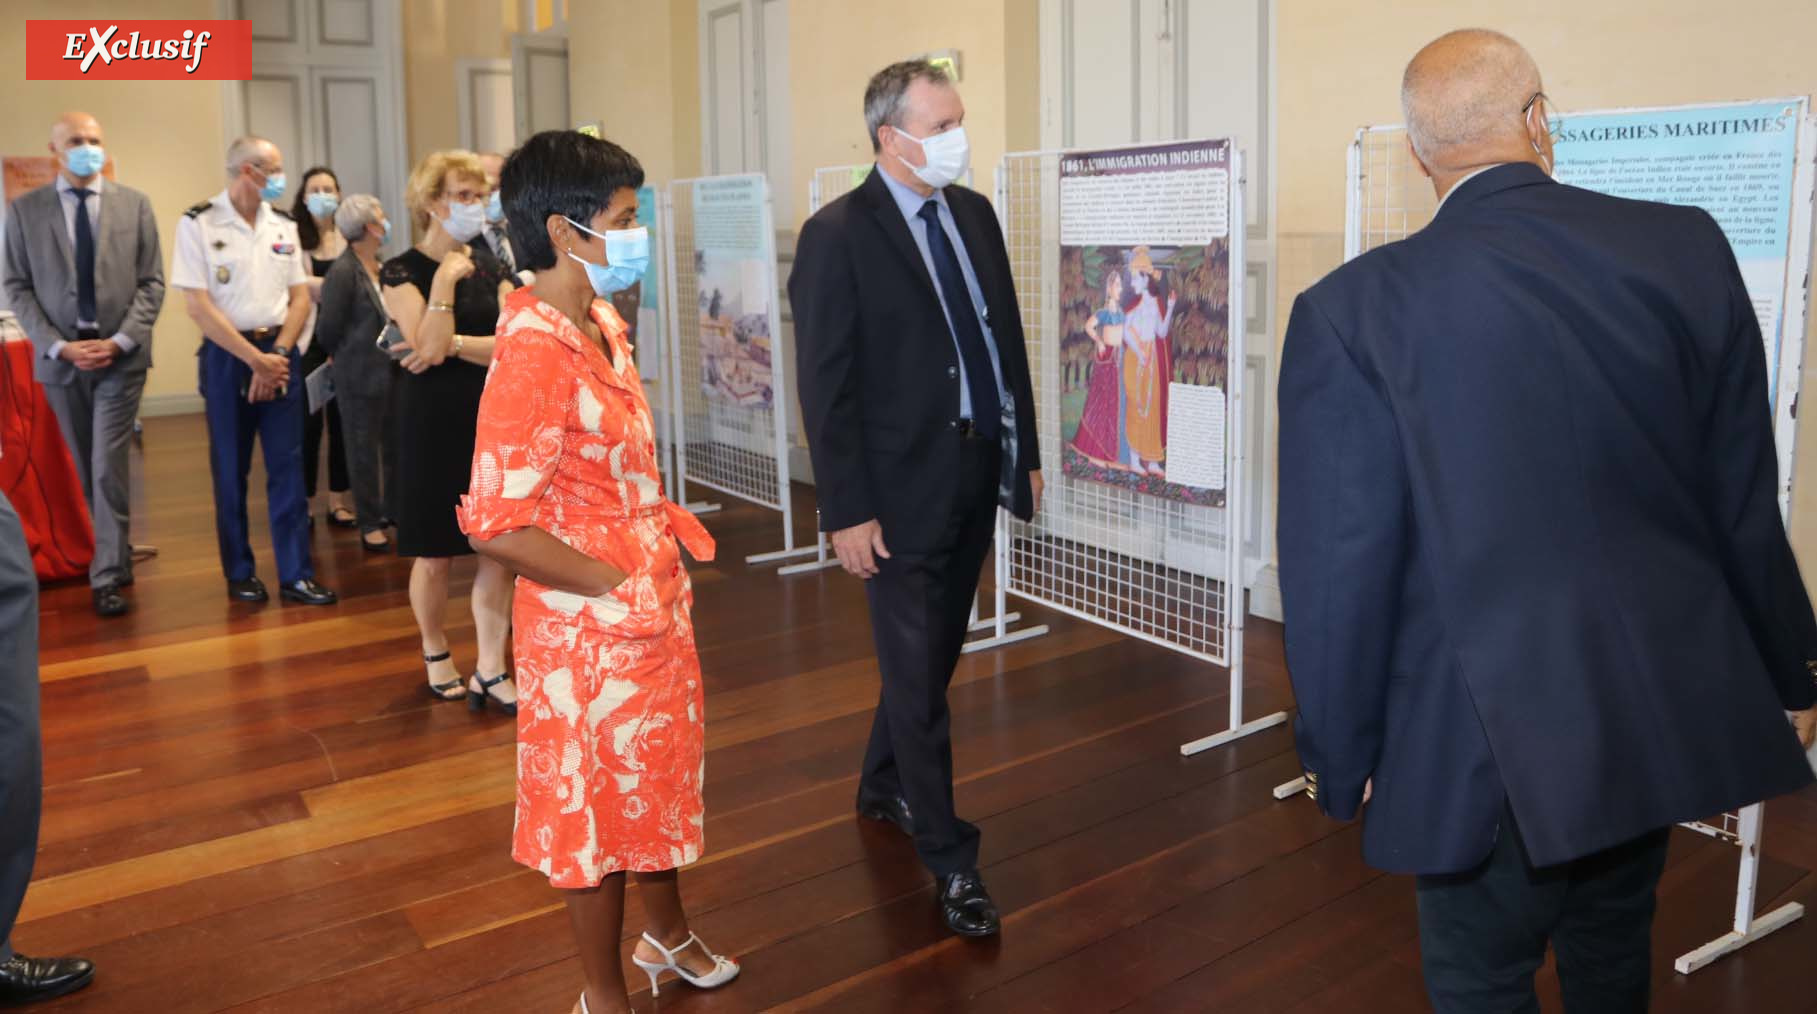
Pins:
x,y
627,256
321,204
464,221
84,160
949,155
495,209
274,186
384,230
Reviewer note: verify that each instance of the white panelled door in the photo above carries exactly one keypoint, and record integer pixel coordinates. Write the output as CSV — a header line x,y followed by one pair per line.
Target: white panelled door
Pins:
x,y
539,82
327,88
1126,71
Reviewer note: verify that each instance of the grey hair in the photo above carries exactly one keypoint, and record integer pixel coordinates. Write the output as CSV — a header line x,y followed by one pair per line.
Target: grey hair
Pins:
x,y
884,95
243,150
357,211
1465,90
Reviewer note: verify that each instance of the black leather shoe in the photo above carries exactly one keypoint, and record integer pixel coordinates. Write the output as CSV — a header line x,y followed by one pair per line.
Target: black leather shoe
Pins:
x,y
967,905
250,590
308,593
26,980
888,809
109,602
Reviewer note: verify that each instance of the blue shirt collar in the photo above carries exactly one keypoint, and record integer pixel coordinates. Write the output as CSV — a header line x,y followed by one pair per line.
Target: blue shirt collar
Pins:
x,y
906,199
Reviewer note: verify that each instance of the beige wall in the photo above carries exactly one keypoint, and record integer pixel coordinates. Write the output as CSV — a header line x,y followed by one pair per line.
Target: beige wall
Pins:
x,y
436,34
164,136
646,98
1339,68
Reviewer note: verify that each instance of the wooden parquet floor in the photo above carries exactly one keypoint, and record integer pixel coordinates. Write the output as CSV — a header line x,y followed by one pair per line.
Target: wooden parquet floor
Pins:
x,y
257,809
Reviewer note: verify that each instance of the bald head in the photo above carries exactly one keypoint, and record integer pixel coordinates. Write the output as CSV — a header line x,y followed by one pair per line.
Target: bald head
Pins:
x,y
72,129
1463,97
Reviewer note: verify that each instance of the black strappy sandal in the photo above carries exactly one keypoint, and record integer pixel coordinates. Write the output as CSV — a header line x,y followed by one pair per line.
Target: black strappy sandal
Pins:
x,y
477,700
439,691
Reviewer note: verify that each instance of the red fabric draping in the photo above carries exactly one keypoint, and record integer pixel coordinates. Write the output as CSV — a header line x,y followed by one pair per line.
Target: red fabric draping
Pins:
x,y
37,473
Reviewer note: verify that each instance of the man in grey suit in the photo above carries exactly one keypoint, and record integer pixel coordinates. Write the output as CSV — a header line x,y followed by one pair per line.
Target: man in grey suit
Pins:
x,y
85,278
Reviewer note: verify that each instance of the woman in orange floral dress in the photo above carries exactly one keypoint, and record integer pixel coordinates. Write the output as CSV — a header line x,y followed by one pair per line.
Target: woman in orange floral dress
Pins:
x,y
566,492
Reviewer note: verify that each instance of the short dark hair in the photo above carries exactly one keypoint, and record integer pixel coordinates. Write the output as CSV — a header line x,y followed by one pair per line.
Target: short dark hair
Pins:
x,y
559,172
883,96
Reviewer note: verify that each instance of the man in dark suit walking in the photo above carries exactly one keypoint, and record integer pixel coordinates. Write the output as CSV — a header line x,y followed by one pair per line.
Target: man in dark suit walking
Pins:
x,y
1539,602
919,413
85,277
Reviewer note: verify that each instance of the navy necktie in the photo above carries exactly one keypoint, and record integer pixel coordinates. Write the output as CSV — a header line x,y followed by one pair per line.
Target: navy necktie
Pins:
x,y
501,248
980,378
85,258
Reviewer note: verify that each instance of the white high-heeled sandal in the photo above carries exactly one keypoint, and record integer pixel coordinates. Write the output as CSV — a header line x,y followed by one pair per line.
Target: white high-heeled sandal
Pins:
x,y
724,968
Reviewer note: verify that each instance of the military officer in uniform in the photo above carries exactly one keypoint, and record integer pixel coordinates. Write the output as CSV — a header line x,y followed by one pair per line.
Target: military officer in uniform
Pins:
x,y
241,273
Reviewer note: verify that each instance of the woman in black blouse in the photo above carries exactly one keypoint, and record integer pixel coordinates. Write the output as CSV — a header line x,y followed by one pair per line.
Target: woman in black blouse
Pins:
x,y
317,197
444,296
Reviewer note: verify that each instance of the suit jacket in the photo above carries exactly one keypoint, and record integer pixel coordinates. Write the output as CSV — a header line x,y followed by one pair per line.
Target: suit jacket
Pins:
x,y
1529,541
40,275
347,326
878,370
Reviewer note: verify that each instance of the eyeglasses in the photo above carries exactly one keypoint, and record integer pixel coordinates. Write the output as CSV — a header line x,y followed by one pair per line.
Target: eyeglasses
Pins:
x,y
1554,123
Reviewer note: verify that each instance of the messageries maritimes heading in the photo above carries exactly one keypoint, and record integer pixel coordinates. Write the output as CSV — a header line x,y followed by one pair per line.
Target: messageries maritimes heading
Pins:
x,y
1697,128
138,50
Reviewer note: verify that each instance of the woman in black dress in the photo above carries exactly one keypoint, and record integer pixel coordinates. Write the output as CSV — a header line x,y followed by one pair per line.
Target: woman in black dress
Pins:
x,y
317,197
444,296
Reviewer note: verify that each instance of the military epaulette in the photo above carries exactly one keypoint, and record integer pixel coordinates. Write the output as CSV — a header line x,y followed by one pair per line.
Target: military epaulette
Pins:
x,y
197,209
281,213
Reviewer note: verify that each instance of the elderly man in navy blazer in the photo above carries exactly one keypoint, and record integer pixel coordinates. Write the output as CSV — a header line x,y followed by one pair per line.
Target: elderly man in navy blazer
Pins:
x,y
1539,602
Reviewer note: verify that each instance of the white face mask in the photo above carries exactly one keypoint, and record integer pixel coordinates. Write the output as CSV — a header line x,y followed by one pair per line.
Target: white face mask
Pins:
x,y
464,221
949,155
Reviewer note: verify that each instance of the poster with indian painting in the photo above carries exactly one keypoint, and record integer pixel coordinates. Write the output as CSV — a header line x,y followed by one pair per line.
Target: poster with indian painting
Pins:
x,y
1144,318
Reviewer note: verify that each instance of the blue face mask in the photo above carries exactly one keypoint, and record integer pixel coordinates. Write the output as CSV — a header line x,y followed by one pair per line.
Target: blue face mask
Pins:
x,y
84,160
495,209
627,257
274,186
320,204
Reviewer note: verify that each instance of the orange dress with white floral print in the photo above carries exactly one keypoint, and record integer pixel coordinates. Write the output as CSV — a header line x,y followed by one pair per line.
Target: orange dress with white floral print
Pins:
x,y
610,735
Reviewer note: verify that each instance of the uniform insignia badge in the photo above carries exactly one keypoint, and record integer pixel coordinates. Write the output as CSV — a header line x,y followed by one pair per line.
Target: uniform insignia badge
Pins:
x,y
283,249
222,274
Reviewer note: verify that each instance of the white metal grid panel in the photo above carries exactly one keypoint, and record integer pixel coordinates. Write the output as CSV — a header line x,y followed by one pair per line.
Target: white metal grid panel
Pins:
x,y
1153,568
833,182
739,450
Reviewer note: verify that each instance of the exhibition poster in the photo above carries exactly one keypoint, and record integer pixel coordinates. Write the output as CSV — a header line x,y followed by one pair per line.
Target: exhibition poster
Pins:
x,y
735,272
1735,161
638,305
1144,310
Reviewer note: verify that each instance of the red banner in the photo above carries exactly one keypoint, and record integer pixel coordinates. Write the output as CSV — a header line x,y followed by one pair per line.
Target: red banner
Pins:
x,y
138,50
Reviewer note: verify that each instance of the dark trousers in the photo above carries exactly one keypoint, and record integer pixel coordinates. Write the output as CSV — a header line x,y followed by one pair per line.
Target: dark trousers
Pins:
x,y
920,605
328,419
369,464
233,424
1483,934
21,764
